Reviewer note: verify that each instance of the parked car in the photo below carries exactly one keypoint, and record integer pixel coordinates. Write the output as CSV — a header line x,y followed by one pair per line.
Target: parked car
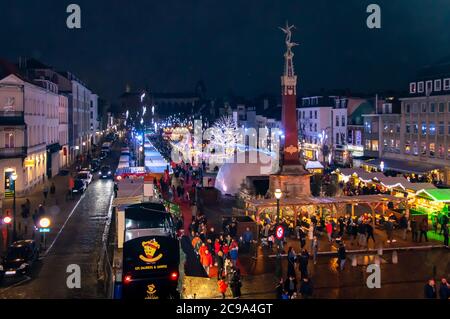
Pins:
x,y
79,187
105,172
86,176
19,258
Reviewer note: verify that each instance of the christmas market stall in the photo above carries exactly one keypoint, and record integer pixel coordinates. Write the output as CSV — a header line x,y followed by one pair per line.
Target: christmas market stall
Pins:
x,y
432,202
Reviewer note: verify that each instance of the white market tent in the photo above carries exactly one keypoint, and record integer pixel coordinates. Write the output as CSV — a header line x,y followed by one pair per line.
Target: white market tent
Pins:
x,y
313,165
231,175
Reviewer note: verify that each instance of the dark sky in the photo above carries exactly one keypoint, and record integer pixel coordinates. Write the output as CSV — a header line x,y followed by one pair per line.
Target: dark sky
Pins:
x,y
231,45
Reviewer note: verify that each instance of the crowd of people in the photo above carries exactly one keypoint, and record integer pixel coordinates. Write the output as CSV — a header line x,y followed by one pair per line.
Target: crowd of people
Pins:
x,y
349,189
218,250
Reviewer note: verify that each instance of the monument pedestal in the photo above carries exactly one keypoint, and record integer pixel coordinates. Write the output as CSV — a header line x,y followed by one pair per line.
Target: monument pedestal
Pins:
x,y
293,181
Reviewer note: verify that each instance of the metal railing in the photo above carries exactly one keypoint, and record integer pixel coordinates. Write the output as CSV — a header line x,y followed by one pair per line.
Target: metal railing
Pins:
x,y
11,152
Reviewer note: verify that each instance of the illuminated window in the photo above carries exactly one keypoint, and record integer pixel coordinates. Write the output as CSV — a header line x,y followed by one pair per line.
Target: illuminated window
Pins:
x,y
423,150
412,88
432,128
374,145
432,149
424,128
415,149
9,140
407,147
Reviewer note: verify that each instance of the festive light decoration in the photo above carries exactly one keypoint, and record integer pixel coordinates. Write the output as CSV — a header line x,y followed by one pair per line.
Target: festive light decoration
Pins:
x,y
225,136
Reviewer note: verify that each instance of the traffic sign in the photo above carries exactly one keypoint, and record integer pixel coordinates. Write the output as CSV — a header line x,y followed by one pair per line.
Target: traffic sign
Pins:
x,y
7,220
44,230
280,232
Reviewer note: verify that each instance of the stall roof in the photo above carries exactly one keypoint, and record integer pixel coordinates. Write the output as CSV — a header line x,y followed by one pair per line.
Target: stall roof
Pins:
x,y
350,171
419,186
403,166
368,176
389,181
313,165
436,194
362,174
361,199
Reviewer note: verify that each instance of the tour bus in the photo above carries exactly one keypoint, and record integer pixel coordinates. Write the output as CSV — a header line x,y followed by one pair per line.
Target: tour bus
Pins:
x,y
106,147
151,253
124,161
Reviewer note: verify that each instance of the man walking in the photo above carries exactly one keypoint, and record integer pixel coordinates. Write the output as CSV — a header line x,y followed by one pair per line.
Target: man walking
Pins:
x,y
389,230
369,229
315,249
423,230
303,263
445,236
45,192
342,255
247,239
414,230
404,225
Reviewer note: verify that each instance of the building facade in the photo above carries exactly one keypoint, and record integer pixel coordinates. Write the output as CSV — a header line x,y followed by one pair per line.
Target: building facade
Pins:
x,y
29,124
315,127
79,104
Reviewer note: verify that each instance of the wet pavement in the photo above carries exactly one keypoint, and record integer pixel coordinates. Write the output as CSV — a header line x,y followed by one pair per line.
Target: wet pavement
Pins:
x,y
78,241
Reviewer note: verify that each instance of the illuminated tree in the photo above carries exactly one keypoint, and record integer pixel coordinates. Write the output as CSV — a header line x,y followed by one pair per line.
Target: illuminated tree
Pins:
x,y
225,136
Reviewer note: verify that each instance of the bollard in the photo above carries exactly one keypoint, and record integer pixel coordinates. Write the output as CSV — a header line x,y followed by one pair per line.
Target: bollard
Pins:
x,y
394,257
354,261
380,251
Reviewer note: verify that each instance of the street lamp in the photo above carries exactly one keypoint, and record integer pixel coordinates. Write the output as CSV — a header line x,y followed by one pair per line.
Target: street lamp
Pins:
x,y
44,224
14,178
278,194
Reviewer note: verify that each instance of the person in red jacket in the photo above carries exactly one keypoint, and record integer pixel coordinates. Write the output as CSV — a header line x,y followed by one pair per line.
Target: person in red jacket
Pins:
x,y
206,261
222,287
225,249
329,228
202,249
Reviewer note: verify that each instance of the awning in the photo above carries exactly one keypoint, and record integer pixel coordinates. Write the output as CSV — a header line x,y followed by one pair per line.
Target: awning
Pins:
x,y
403,166
313,165
436,194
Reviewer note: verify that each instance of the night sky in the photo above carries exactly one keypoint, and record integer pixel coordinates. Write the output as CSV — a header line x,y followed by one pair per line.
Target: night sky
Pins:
x,y
168,45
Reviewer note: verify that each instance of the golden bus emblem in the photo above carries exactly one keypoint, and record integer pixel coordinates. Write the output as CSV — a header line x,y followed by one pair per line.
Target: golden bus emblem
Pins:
x,y
150,248
291,149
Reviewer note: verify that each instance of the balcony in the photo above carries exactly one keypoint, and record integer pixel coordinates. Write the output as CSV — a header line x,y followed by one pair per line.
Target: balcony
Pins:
x,y
12,118
13,152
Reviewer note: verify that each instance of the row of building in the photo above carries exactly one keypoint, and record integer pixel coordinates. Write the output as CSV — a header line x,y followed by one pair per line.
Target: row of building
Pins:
x,y
48,118
408,133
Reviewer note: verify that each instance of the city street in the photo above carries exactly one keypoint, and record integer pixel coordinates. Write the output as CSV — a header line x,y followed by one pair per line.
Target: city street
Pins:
x,y
78,241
